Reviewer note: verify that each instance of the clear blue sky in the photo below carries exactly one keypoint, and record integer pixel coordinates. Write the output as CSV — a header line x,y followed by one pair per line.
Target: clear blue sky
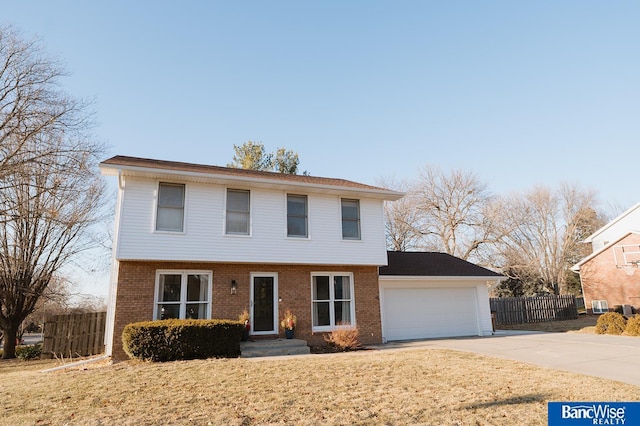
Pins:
x,y
520,92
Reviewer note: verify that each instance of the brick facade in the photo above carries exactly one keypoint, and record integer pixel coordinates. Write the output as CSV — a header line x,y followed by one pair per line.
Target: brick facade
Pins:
x,y
602,280
137,281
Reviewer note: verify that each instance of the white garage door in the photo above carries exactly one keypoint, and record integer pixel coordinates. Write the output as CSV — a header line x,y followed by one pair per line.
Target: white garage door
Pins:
x,y
419,313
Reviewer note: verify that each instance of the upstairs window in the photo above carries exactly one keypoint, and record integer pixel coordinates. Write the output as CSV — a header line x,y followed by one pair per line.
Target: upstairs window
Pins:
x,y
350,219
238,213
297,216
170,215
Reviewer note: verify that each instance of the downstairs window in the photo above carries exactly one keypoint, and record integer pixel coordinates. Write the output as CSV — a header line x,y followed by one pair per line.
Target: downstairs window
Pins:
x,y
332,300
183,295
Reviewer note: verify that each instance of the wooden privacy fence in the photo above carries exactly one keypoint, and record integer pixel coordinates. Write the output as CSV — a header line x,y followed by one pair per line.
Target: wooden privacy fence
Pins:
x,y
520,310
74,335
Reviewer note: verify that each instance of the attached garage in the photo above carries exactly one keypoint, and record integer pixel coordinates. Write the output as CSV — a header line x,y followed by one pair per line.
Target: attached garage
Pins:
x,y
431,295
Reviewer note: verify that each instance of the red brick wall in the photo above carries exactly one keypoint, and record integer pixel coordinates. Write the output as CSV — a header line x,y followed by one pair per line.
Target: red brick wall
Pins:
x,y
601,280
136,288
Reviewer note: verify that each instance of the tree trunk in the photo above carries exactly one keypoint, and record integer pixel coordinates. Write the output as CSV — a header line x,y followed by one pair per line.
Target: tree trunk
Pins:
x,y
9,349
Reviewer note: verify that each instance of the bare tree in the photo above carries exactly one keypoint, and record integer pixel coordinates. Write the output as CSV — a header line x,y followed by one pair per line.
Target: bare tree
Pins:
x,y
401,217
543,233
50,188
456,212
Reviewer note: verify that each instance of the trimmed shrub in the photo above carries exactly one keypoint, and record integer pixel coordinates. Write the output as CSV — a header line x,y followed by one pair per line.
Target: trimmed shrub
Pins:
x,y
611,323
344,339
171,340
29,351
633,326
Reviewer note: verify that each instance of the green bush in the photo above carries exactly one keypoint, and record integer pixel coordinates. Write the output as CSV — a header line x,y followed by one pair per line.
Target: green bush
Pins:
x,y
611,323
633,326
29,351
170,340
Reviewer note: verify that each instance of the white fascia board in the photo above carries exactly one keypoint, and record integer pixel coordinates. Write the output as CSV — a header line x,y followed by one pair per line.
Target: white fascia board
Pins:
x,y
576,267
223,179
438,278
611,223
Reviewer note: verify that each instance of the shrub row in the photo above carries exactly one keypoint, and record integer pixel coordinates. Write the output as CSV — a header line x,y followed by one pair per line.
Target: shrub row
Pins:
x,y
170,340
616,323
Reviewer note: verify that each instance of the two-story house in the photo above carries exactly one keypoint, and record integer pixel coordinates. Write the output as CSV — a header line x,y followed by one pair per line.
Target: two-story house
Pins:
x,y
610,275
197,241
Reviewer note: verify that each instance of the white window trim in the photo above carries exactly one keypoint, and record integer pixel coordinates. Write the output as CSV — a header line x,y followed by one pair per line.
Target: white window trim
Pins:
x,y
224,213
286,218
183,290
359,238
332,300
155,210
601,309
276,323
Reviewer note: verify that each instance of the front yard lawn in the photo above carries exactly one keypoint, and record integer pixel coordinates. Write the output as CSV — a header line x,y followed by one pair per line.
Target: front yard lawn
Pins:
x,y
424,386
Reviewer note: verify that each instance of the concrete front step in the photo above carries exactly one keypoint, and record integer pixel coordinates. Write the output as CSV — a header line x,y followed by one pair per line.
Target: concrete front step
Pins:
x,y
276,347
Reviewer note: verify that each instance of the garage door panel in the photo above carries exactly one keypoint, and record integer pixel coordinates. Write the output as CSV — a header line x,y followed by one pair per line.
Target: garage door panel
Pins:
x,y
418,313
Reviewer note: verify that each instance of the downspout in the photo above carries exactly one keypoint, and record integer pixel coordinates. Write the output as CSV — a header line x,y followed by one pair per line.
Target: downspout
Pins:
x,y
113,281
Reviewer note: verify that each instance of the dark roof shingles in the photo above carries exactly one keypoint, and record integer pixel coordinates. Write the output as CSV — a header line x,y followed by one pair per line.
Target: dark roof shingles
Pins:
x,y
432,264
121,160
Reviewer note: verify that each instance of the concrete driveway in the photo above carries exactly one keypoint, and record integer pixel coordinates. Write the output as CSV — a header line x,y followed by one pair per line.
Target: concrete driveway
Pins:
x,y
610,357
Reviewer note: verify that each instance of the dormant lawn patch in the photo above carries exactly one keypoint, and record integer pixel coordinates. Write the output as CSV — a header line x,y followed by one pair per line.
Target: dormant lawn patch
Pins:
x,y
424,386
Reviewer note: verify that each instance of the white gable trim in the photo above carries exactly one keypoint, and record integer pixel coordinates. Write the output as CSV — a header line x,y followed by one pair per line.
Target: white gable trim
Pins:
x,y
576,267
591,237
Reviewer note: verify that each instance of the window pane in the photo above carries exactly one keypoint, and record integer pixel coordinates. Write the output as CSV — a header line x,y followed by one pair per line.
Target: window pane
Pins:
x,y
297,205
342,288
350,209
171,195
196,311
168,311
350,229
170,215
169,219
297,226
321,314
169,288
350,219
238,201
237,223
342,313
321,288
197,287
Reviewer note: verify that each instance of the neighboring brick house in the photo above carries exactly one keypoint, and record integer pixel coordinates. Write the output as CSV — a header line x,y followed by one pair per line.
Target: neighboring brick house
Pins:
x,y
610,275
196,241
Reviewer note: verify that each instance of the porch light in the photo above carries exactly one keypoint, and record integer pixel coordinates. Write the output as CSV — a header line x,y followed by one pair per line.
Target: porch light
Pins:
x,y
234,287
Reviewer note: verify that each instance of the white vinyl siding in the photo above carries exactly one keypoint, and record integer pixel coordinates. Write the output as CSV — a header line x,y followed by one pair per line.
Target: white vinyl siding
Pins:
x,y
204,237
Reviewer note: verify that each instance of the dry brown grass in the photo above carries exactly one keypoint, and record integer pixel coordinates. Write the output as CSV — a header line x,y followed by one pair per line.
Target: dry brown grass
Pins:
x,y
422,386
584,324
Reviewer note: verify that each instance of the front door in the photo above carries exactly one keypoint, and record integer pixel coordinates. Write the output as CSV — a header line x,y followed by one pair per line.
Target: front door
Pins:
x,y
264,294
